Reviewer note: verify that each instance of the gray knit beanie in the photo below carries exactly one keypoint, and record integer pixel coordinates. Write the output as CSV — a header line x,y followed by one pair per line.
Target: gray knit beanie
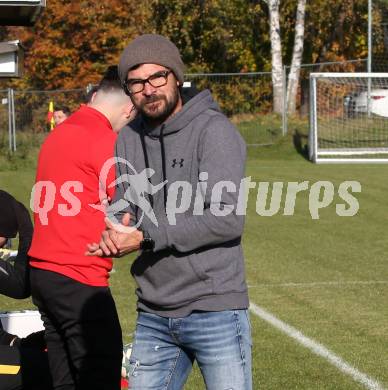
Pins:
x,y
151,49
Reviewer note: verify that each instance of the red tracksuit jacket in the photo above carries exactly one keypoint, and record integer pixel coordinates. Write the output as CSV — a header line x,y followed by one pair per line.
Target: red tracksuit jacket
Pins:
x,y
67,187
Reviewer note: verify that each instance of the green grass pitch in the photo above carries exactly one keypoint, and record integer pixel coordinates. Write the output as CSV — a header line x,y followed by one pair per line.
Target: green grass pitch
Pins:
x,y
328,278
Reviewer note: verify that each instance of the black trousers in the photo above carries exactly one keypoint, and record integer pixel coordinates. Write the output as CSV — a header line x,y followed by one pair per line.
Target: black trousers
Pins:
x,y
14,278
82,330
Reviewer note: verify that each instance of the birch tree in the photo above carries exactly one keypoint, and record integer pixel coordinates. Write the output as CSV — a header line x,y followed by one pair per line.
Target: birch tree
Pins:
x,y
293,78
276,53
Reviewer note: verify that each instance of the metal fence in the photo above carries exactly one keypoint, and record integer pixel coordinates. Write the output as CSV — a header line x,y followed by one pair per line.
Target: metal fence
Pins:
x,y
246,98
31,107
23,115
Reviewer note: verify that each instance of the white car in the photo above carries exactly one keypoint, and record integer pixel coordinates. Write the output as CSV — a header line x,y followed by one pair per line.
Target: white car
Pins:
x,y
356,103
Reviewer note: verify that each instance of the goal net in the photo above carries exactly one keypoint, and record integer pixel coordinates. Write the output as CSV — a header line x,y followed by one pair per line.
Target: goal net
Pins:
x,y
348,117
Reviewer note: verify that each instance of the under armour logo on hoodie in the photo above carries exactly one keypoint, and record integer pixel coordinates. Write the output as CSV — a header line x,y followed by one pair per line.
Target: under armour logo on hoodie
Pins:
x,y
175,163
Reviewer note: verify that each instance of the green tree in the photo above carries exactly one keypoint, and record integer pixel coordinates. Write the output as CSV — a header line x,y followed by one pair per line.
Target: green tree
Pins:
x,y
215,35
337,31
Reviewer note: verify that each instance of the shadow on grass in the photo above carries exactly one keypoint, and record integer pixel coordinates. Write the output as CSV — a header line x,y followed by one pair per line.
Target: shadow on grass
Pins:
x,y
300,144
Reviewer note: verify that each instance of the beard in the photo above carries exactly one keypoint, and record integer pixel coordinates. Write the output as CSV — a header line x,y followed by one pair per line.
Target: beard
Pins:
x,y
158,107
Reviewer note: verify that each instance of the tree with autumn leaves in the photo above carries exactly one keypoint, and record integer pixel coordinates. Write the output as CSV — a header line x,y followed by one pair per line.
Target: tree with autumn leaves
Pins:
x,y
73,42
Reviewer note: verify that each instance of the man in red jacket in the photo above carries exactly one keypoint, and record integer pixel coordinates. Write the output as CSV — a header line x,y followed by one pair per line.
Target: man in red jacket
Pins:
x,y
71,290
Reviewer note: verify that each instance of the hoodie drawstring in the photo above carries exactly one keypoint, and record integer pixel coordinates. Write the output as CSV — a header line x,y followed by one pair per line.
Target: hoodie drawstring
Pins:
x,y
147,164
161,140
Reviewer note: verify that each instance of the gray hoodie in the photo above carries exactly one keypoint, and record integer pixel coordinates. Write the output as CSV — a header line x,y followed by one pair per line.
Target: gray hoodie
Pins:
x,y
197,262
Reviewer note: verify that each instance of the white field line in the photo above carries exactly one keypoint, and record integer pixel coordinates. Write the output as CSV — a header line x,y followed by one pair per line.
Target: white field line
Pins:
x,y
316,348
318,284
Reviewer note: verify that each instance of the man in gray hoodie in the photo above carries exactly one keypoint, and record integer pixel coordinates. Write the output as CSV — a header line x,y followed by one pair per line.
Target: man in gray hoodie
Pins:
x,y
179,176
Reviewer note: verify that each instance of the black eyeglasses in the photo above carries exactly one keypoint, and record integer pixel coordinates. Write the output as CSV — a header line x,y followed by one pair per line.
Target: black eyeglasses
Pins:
x,y
157,80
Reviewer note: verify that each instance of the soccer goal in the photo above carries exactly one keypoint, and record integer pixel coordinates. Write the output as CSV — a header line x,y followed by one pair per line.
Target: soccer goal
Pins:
x,y
348,117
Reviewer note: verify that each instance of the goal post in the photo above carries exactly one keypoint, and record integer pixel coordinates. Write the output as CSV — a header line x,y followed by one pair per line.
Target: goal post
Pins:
x,y
348,117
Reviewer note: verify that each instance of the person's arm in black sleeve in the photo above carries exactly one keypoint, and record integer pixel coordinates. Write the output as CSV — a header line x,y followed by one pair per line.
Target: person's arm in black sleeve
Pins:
x,y
14,279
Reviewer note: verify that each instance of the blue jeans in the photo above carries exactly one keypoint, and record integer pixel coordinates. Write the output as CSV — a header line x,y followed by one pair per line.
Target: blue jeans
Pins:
x,y
164,350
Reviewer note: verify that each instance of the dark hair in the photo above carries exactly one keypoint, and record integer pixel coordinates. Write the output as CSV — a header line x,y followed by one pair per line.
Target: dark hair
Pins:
x,y
111,80
64,109
89,95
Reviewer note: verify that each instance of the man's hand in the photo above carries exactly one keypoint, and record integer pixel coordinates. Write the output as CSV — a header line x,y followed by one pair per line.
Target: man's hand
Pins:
x,y
117,240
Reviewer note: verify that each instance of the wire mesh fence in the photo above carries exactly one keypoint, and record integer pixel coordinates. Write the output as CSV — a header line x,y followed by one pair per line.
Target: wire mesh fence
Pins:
x,y
23,117
246,98
31,107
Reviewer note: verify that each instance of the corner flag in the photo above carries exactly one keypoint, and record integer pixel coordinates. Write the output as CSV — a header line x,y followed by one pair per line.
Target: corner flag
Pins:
x,y
50,115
